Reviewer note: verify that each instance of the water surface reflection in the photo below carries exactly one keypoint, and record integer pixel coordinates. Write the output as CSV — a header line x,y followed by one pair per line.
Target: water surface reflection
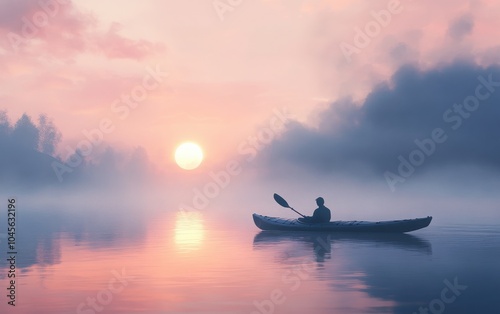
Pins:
x,y
201,263
189,231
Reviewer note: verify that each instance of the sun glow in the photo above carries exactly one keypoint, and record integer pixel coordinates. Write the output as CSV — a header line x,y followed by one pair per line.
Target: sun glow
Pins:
x,y
188,156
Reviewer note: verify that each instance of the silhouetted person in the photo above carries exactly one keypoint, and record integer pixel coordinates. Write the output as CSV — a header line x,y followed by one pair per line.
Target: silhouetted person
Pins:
x,y
321,214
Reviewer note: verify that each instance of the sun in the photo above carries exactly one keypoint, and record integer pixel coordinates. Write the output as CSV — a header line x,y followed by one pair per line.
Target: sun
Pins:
x,y
188,155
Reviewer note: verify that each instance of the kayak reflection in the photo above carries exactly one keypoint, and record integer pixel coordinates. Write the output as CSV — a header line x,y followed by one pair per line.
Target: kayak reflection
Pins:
x,y
321,242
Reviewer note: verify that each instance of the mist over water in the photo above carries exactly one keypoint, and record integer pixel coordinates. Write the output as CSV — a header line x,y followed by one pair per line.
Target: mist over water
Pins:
x,y
102,229
107,241
104,242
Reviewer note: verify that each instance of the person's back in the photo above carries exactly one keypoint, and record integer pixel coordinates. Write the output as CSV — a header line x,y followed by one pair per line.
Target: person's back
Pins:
x,y
321,214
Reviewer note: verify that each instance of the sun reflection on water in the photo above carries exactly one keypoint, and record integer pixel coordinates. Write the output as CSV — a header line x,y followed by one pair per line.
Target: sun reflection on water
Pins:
x,y
189,231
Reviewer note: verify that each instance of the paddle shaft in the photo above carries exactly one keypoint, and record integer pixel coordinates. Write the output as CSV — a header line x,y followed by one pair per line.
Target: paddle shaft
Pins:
x,y
297,212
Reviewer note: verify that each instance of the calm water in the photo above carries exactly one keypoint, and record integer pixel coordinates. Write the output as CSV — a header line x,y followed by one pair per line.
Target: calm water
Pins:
x,y
193,263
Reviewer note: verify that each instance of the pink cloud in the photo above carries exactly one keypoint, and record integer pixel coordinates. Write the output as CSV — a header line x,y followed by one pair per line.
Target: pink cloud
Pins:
x,y
113,45
59,28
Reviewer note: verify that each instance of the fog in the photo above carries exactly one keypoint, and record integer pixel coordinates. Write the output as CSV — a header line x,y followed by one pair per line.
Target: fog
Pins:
x,y
375,160
111,199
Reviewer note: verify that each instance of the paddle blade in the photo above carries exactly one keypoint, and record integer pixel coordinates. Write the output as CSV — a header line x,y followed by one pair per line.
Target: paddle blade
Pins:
x,y
280,200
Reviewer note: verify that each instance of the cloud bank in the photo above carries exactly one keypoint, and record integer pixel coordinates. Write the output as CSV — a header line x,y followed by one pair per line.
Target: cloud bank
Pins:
x,y
440,118
59,28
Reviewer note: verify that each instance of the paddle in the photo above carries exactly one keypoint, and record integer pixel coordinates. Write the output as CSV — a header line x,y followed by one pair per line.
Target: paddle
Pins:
x,y
280,200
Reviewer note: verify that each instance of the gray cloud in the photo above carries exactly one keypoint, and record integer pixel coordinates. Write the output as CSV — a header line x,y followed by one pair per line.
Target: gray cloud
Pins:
x,y
461,27
12,12
369,137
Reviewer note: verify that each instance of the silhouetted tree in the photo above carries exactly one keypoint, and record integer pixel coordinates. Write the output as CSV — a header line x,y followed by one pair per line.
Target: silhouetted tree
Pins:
x,y
49,135
4,128
27,158
138,164
25,134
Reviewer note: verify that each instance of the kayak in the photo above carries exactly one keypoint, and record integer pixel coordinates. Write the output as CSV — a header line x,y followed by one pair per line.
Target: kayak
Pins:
x,y
394,226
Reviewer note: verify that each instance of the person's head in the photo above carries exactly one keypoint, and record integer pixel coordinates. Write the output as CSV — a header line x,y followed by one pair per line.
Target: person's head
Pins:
x,y
320,201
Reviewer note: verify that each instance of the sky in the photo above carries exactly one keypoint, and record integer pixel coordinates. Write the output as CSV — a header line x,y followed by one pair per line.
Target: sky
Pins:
x,y
322,87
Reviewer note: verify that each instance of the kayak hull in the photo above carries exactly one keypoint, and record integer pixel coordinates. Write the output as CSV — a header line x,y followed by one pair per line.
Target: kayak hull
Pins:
x,y
391,226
